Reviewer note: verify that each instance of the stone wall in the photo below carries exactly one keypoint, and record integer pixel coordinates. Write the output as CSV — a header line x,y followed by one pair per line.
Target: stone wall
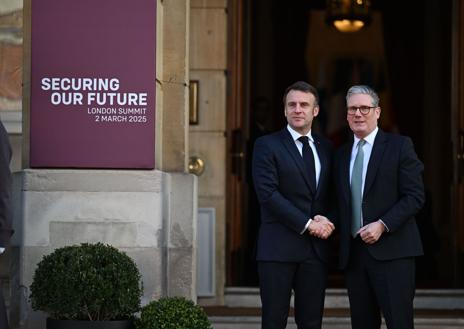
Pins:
x,y
208,66
150,215
11,39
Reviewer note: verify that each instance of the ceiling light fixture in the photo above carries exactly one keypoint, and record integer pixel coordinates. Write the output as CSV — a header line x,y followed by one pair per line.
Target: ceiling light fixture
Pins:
x,y
348,15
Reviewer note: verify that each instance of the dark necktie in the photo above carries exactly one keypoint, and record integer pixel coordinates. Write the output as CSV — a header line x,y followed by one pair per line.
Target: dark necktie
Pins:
x,y
308,159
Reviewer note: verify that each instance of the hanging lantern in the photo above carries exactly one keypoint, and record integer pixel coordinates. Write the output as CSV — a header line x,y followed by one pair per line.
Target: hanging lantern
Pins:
x,y
348,15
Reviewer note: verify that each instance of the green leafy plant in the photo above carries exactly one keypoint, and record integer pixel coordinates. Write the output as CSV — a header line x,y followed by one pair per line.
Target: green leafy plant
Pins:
x,y
94,282
173,313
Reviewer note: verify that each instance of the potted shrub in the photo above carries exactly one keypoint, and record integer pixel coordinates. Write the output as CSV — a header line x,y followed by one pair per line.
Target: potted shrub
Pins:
x,y
87,286
173,313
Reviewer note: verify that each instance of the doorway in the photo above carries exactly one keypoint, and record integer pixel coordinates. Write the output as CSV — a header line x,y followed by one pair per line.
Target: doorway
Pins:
x,y
406,55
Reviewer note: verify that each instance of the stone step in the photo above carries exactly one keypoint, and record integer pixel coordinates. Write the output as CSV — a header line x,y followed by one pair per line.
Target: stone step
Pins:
x,y
254,322
331,315
434,309
425,299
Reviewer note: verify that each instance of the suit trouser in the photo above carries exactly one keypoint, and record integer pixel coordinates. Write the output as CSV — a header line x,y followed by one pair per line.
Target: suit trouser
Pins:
x,y
308,279
3,316
374,286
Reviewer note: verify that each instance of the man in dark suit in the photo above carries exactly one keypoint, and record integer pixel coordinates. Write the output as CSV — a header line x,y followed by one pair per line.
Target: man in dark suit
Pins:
x,y
5,208
380,189
291,173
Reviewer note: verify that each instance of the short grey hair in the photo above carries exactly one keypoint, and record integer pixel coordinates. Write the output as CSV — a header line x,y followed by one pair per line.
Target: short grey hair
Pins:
x,y
363,89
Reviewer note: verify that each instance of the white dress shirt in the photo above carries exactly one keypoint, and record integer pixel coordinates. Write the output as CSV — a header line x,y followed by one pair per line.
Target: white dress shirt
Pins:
x,y
367,148
299,145
317,161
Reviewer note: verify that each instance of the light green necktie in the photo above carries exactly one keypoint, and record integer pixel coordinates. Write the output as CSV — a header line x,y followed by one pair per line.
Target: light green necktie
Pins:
x,y
356,189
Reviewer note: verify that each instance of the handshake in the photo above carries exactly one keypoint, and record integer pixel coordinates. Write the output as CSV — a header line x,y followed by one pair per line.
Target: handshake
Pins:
x,y
321,227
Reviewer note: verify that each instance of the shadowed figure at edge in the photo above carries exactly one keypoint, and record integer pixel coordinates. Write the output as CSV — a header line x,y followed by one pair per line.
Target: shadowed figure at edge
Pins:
x,y
5,208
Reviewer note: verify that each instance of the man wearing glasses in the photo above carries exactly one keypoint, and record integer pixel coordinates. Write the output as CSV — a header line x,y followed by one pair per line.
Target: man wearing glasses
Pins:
x,y
380,190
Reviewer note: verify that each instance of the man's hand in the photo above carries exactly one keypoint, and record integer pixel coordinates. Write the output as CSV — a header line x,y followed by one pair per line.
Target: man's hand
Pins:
x,y
371,233
321,227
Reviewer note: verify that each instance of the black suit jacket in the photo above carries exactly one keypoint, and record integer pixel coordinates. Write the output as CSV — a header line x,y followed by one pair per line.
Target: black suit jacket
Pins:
x,y
5,188
393,192
286,198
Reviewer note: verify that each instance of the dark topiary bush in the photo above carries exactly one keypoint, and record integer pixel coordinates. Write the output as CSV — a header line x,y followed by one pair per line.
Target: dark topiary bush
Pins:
x,y
93,282
173,313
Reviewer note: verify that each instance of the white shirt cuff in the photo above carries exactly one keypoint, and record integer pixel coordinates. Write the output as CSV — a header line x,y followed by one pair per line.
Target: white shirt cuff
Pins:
x,y
386,227
2,250
306,226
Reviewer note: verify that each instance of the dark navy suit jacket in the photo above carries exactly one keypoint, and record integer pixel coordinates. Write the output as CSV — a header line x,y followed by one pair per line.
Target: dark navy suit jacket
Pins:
x,y
393,192
5,188
287,199
5,207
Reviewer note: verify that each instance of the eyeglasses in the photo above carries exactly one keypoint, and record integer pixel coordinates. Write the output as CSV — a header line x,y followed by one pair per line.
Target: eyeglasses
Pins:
x,y
363,109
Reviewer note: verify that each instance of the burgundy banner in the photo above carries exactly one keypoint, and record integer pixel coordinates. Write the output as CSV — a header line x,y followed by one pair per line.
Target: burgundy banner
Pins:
x,y
93,84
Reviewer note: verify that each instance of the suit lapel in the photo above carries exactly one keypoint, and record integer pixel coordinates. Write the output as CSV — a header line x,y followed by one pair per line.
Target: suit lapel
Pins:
x,y
323,158
378,150
289,144
345,171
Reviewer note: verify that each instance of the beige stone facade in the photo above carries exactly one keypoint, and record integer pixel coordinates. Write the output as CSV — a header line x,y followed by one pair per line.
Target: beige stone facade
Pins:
x,y
208,65
151,215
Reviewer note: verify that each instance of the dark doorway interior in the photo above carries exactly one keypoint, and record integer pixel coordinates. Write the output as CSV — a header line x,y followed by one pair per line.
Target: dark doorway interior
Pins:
x,y
405,54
